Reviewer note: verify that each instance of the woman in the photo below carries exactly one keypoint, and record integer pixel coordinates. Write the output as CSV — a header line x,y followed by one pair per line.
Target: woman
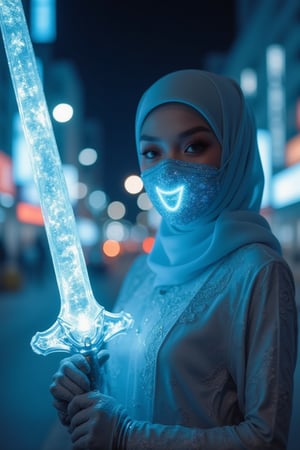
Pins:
x,y
209,362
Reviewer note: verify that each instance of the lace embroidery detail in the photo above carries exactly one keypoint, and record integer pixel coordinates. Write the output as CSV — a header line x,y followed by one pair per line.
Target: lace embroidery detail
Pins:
x,y
168,307
164,308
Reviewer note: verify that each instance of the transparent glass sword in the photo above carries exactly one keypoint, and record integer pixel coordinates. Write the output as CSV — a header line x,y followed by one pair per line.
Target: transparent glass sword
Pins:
x,y
82,324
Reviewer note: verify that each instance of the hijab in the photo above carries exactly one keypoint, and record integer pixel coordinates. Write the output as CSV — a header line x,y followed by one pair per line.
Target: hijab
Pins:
x,y
232,220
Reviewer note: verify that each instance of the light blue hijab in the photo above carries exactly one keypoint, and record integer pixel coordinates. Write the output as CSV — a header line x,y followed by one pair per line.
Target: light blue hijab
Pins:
x,y
233,220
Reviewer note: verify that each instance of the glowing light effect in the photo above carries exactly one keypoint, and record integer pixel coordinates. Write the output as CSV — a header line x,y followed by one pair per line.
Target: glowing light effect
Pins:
x,y
144,202
249,81
82,324
265,151
80,191
88,231
148,243
171,200
6,175
87,156
111,248
286,187
276,98
116,210
6,200
97,200
63,112
133,184
43,20
28,213
116,231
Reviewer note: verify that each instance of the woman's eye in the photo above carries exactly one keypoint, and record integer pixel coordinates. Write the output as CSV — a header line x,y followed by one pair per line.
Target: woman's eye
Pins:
x,y
197,147
150,154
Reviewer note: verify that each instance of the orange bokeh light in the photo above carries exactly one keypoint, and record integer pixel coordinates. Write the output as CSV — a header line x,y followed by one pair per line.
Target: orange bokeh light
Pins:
x,y
111,248
148,244
28,213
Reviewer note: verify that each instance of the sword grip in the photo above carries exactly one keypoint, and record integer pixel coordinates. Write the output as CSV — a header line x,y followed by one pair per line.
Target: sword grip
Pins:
x,y
94,375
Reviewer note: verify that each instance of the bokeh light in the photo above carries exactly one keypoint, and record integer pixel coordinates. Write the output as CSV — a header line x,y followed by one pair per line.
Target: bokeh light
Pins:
x,y
133,184
97,200
82,190
111,248
148,244
63,112
88,231
116,210
116,231
144,202
6,200
87,156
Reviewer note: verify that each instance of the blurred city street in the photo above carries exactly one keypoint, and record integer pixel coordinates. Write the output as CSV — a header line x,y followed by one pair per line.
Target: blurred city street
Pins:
x,y
27,414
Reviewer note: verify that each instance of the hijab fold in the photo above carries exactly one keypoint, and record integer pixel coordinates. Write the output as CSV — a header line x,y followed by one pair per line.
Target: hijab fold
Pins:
x,y
233,219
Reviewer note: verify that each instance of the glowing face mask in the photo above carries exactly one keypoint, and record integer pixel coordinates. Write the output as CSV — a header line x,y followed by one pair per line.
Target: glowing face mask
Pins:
x,y
181,191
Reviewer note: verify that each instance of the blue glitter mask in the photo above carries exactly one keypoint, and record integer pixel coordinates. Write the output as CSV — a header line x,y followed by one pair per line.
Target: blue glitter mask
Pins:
x,y
181,191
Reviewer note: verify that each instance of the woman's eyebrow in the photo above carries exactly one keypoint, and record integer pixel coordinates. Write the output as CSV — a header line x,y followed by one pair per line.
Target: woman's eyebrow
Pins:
x,y
145,137
183,134
194,130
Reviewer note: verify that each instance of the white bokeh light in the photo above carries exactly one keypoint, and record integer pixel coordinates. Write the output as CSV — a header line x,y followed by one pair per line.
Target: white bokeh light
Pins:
x,y
133,184
144,202
82,190
248,81
97,200
6,200
116,231
87,156
88,231
116,210
63,112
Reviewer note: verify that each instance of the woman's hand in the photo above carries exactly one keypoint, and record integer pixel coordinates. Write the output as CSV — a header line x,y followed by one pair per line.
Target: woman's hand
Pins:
x,y
96,421
71,379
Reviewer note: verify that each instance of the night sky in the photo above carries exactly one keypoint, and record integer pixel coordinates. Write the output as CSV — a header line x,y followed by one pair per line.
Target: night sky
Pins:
x,y
120,47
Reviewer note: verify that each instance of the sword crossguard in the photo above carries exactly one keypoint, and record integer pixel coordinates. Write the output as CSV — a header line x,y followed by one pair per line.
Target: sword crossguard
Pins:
x,y
63,336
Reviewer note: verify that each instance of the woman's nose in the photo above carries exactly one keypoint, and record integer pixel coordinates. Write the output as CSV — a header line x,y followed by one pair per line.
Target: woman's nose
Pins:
x,y
172,153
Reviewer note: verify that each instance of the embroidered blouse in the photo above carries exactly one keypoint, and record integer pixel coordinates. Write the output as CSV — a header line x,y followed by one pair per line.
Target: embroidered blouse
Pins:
x,y
209,363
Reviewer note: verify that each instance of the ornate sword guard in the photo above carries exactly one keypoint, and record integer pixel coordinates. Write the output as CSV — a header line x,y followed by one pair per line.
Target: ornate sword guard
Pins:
x,y
83,331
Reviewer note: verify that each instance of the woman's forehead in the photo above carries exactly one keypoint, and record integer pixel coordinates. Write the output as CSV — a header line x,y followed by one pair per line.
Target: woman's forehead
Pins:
x,y
173,115
170,120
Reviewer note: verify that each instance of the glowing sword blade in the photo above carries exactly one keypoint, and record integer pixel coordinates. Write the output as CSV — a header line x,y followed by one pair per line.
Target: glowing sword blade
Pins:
x,y
82,323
